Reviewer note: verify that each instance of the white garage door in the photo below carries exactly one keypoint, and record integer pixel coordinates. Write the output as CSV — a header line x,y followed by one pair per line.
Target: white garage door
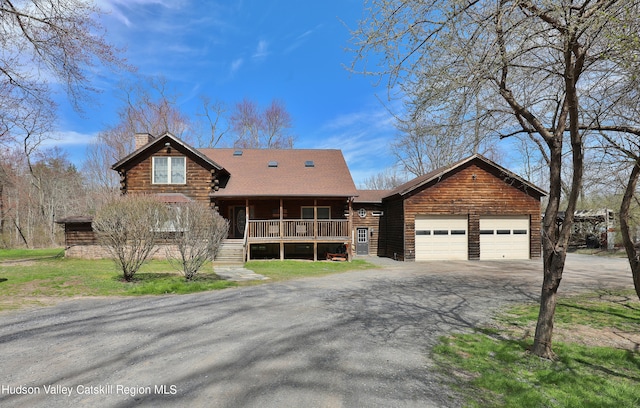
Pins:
x,y
441,237
505,237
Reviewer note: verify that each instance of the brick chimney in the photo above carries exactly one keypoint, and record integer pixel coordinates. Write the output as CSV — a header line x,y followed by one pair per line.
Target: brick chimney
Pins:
x,y
142,139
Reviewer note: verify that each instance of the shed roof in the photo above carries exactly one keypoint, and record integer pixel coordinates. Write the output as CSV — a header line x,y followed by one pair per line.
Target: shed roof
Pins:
x,y
283,172
371,196
75,219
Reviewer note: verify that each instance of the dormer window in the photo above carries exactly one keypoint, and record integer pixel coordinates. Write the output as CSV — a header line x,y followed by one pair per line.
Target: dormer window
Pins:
x,y
273,163
169,170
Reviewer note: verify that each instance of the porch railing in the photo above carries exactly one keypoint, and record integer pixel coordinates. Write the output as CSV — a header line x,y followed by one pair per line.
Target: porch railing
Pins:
x,y
298,229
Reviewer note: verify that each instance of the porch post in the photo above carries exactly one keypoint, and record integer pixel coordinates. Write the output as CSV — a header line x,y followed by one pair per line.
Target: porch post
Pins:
x,y
315,230
281,230
248,229
350,250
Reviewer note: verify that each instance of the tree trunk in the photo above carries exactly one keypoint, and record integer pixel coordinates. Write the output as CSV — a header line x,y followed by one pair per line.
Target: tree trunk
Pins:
x,y
1,209
553,258
632,253
553,268
555,241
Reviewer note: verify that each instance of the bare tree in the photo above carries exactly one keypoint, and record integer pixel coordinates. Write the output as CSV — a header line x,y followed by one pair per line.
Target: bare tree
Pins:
x,y
46,46
214,113
517,67
57,191
198,234
625,147
147,107
128,228
437,137
247,124
47,42
34,193
385,180
278,124
268,129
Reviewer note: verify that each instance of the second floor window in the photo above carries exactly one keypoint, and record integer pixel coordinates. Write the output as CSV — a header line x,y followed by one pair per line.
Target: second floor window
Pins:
x,y
169,170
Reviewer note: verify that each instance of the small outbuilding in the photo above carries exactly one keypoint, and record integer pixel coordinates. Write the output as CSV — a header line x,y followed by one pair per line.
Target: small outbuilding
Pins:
x,y
471,210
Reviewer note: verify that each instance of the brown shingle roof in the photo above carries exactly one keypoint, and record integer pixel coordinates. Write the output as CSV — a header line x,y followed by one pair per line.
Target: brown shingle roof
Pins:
x,y
371,196
251,175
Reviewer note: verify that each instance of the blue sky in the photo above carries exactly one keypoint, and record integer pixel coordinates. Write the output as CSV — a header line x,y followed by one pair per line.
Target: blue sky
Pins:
x,y
290,50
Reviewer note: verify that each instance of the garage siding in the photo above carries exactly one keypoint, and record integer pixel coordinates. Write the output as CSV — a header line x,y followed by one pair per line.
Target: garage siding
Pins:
x,y
472,190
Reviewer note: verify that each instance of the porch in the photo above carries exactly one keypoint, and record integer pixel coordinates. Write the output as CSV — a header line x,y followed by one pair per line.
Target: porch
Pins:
x,y
298,230
268,231
296,239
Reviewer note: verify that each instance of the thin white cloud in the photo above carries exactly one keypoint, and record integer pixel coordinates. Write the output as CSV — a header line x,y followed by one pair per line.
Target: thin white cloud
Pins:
x,y
369,133
121,8
262,50
300,40
236,65
70,138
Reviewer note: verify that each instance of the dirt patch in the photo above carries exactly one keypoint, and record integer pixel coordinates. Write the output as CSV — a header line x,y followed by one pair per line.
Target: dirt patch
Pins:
x,y
603,337
27,302
17,263
584,335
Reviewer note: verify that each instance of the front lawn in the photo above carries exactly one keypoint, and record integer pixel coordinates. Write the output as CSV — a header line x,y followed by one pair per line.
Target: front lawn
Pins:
x,y
596,341
291,269
14,254
44,281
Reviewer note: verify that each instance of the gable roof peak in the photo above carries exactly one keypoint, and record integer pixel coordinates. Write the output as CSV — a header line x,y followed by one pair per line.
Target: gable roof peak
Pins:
x,y
436,174
169,140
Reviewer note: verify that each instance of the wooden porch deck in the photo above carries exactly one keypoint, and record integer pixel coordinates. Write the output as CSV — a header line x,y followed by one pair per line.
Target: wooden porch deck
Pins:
x,y
298,230
317,236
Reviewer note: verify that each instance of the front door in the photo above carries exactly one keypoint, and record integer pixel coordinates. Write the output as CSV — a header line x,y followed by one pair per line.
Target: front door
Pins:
x,y
238,218
362,241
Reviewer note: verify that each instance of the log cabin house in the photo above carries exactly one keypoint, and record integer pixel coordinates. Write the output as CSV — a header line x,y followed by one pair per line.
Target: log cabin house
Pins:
x,y
303,204
280,203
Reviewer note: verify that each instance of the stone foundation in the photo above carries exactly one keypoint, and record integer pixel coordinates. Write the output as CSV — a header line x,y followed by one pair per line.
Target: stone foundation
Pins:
x,y
98,252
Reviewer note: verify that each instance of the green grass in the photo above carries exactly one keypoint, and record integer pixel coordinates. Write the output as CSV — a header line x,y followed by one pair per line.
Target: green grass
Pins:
x,y
615,309
617,253
494,369
15,254
42,281
26,283
292,269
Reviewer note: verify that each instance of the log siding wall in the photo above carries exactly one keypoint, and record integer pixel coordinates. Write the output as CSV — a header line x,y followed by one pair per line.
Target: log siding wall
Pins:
x,y
370,221
199,181
392,232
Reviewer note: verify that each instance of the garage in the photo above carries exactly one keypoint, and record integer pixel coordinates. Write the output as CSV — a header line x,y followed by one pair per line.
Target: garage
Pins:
x,y
504,237
441,237
448,204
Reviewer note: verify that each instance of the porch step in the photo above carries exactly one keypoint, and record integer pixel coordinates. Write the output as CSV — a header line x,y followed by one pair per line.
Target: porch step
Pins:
x,y
230,252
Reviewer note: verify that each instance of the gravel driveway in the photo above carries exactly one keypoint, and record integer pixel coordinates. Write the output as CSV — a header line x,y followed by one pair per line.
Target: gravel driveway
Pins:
x,y
349,340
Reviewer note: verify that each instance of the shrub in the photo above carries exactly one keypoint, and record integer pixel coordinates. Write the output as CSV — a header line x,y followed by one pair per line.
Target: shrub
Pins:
x,y
199,231
128,228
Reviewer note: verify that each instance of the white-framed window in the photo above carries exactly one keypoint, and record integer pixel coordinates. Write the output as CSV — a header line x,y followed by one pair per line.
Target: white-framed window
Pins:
x,y
362,212
324,213
169,170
